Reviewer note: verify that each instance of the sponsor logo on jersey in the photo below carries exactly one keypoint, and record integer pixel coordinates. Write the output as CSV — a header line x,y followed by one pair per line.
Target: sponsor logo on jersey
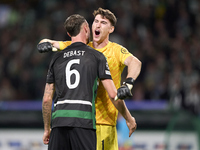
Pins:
x,y
107,72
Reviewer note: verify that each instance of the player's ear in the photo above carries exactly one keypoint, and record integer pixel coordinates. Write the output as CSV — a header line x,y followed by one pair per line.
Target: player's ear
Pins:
x,y
69,34
111,29
86,28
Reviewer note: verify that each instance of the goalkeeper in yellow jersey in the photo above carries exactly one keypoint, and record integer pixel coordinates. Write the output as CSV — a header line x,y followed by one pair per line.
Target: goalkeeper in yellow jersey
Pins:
x,y
117,57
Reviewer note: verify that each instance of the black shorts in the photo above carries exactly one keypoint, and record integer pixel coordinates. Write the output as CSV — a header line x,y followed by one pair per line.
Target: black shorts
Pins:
x,y
69,138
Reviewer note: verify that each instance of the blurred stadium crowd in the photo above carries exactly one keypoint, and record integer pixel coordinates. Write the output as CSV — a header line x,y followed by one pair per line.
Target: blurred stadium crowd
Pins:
x,y
163,34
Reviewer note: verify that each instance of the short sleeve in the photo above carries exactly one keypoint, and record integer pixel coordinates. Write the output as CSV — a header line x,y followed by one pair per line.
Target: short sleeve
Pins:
x,y
50,77
64,44
50,73
123,54
103,70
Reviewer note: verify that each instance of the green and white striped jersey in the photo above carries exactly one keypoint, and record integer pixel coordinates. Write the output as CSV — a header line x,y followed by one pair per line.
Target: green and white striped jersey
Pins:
x,y
75,72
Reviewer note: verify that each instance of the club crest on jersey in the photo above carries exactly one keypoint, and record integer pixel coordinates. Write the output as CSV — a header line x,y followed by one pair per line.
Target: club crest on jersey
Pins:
x,y
124,51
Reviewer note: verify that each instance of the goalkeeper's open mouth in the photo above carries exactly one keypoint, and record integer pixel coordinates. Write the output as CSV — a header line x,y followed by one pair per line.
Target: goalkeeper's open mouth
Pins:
x,y
97,33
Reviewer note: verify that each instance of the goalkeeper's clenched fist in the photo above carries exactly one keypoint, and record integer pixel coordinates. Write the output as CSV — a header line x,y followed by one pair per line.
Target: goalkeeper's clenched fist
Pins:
x,y
44,47
125,90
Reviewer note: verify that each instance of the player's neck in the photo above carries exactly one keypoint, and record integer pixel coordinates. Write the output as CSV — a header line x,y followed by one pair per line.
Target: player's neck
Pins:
x,y
99,44
78,39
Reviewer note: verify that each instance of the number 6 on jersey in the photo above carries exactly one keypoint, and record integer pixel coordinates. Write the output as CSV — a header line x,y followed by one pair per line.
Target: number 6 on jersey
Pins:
x,y
69,72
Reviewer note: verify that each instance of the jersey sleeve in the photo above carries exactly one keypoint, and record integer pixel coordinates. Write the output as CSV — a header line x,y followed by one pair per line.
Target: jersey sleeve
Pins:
x,y
64,44
103,71
50,74
122,54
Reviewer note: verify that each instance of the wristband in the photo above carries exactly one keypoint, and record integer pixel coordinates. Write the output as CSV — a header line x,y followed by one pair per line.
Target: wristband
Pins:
x,y
129,83
130,80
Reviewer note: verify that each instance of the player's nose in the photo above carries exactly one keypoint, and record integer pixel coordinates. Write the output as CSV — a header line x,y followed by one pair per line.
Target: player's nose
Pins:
x,y
98,24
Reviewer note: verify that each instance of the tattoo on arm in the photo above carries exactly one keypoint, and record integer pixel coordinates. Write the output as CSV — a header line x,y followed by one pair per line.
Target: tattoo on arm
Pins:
x,y
47,105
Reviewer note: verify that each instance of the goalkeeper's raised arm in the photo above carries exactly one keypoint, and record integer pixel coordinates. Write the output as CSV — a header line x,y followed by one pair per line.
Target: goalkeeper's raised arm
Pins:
x,y
47,45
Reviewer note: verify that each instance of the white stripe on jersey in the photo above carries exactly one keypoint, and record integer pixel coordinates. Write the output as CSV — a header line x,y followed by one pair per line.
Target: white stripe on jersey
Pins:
x,y
73,102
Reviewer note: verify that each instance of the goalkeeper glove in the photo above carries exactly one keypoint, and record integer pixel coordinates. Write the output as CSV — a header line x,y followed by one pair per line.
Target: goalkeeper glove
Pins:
x,y
125,90
44,47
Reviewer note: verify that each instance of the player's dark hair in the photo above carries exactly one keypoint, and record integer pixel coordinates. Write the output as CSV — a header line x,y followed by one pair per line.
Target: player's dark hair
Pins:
x,y
105,13
73,24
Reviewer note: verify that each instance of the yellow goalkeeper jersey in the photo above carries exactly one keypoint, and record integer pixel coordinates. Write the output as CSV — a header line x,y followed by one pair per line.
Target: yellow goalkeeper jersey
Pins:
x,y
106,113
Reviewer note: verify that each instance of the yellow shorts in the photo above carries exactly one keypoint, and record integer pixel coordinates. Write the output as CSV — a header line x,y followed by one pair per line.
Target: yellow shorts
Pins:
x,y
106,137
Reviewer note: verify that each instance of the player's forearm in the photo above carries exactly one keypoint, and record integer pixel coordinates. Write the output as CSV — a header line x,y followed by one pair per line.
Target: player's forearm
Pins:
x,y
47,105
123,110
46,112
110,88
120,104
134,67
53,42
